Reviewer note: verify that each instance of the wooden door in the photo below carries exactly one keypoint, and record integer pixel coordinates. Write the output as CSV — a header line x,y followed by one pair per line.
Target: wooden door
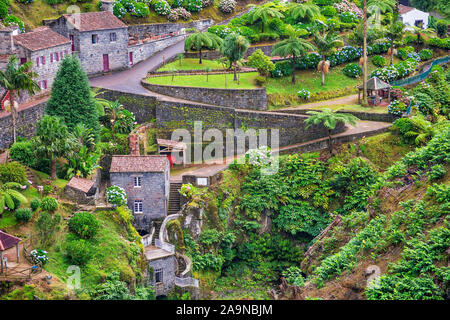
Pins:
x,y
105,62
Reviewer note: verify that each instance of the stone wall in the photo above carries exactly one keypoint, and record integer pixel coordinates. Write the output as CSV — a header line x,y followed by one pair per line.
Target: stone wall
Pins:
x,y
26,124
140,31
145,50
255,99
214,55
370,116
168,265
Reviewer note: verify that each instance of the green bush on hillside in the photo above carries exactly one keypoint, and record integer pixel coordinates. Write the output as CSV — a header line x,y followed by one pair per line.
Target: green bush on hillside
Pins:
x,y
84,224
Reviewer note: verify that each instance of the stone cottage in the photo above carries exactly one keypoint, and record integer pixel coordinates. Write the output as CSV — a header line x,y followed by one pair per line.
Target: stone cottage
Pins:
x,y
162,270
100,40
146,181
44,47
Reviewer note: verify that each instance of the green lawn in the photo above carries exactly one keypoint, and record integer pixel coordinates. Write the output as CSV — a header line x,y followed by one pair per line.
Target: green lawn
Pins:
x,y
214,81
191,64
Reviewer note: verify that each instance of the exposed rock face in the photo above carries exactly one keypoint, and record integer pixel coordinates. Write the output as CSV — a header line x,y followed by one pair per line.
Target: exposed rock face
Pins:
x,y
192,220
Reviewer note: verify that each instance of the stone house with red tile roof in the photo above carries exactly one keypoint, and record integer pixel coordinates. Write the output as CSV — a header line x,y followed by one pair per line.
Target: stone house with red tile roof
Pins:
x,y
99,39
146,181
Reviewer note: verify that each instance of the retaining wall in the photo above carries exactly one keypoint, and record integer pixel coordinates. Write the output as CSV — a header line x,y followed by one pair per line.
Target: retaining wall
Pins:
x,y
382,117
140,31
254,99
214,54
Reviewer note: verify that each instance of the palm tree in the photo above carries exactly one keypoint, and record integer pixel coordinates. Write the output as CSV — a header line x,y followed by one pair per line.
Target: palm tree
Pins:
x,y
234,47
100,103
263,14
7,193
326,44
364,57
16,79
53,140
394,32
199,40
113,108
304,10
382,5
329,119
293,47
84,136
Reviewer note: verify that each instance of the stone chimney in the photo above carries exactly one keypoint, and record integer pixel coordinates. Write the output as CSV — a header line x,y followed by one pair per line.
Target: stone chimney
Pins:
x,y
107,5
133,140
7,40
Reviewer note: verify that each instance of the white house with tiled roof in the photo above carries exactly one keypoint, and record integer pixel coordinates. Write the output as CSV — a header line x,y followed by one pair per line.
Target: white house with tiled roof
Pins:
x,y
413,17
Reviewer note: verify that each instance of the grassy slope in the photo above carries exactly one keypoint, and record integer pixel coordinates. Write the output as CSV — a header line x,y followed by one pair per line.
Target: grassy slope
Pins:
x,y
34,13
214,81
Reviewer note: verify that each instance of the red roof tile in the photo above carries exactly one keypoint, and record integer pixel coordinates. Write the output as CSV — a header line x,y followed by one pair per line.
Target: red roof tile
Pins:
x,y
81,184
40,38
404,9
7,241
90,21
139,163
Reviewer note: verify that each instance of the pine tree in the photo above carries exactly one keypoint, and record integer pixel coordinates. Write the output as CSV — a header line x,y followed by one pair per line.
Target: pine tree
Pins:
x,y
71,98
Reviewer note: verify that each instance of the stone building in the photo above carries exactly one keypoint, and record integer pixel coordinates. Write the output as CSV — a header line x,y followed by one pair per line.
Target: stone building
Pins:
x,y
83,191
162,270
44,47
99,39
146,181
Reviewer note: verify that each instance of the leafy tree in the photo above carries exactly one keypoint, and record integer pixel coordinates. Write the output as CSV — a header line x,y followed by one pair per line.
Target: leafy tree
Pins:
x,y
382,5
9,191
71,97
233,48
394,32
263,14
422,131
199,40
84,136
53,140
329,119
293,47
326,45
261,62
46,226
17,79
113,108
304,10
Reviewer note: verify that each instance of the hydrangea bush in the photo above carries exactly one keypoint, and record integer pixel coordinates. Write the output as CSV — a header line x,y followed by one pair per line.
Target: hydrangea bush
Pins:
x,y
193,5
304,94
396,107
179,13
162,7
259,157
186,190
352,70
116,195
227,6
39,256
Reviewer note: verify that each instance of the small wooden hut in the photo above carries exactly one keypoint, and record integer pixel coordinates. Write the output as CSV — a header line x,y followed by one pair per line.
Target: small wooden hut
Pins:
x,y
376,88
8,241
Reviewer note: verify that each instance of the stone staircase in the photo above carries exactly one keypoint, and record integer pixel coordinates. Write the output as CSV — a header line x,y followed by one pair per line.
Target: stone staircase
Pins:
x,y
174,198
31,177
157,225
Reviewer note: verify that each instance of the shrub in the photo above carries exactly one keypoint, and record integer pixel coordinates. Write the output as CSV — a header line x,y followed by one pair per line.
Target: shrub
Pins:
x,y
293,275
141,10
13,172
23,152
35,204
304,94
49,204
261,62
348,17
13,20
441,28
396,107
193,5
437,171
425,54
379,61
352,70
4,8
179,13
116,195
206,3
23,215
119,10
439,43
402,53
161,7
25,1
39,256
227,6
329,11
79,251
260,80
84,225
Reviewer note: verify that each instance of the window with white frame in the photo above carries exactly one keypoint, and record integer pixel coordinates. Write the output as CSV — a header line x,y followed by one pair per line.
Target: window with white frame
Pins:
x,y
112,37
95,38
43,84
138,206
159,275
137,182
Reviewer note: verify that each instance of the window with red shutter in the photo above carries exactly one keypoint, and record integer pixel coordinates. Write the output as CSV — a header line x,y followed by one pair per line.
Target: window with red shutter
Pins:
x,y
43,59
51,57
37,62
45,84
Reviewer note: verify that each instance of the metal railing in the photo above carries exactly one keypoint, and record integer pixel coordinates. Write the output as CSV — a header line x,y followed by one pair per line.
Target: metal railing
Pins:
x,y
422,76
